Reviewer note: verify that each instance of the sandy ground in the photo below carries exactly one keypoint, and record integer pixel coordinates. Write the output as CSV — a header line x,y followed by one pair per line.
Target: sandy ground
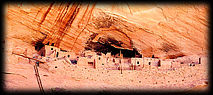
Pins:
x,y
21,77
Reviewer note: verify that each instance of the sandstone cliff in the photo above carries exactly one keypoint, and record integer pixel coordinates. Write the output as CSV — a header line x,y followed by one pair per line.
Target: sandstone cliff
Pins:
x,y
159,29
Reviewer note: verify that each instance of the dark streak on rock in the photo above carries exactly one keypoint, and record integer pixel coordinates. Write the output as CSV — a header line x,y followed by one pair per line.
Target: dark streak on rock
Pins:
x,y
45,14
68,24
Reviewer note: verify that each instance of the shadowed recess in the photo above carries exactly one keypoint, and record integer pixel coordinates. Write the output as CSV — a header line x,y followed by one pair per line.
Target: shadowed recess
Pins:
x,y
108,44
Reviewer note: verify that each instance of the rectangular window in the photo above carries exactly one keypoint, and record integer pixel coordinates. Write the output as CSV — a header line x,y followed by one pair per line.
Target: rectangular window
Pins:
x,y
57,54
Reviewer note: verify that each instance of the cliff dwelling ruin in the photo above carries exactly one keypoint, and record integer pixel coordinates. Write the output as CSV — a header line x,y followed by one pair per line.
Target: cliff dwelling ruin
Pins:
x,y
94,46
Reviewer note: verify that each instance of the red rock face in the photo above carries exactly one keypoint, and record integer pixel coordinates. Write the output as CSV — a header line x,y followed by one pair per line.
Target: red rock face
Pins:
x,y
159,29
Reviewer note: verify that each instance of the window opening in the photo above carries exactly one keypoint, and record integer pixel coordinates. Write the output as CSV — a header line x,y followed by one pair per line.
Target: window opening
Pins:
x,y
57,54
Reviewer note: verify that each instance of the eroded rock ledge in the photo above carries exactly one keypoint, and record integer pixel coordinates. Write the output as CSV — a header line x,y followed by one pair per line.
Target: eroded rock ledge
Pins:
x,y
160,29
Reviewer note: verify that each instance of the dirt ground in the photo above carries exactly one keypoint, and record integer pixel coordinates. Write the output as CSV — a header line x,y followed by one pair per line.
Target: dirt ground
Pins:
x,y
21,77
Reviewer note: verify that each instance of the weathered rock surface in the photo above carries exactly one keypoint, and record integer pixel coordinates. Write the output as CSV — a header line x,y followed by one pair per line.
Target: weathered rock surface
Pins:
x,y
160,29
